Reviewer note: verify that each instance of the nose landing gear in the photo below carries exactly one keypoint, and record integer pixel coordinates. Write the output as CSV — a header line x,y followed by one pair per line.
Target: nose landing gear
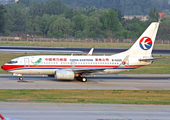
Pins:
x,y
21,78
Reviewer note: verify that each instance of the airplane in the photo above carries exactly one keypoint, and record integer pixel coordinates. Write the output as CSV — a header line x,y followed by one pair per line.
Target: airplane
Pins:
x,y
77,67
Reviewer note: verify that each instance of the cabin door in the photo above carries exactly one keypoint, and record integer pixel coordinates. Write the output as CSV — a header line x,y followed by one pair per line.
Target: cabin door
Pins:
x,y
26,62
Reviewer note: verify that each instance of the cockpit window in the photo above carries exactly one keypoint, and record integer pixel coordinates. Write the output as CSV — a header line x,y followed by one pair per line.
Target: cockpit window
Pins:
x,y
12,62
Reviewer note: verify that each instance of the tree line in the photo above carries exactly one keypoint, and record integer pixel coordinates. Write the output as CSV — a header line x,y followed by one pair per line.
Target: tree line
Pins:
x,y
53,18
129,7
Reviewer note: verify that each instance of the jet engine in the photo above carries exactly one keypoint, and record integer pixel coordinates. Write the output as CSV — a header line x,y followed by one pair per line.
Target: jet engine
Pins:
x,y
64,75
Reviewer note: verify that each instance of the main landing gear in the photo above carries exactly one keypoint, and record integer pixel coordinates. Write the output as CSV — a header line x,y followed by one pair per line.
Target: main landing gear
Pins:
x,y
82,79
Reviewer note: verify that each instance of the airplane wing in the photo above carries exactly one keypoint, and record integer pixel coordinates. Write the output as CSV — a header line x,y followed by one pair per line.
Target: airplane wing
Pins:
x,y
90,70
90,52
96,70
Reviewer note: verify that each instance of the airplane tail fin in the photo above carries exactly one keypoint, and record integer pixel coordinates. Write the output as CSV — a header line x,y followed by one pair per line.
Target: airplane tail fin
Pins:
x,y
144,45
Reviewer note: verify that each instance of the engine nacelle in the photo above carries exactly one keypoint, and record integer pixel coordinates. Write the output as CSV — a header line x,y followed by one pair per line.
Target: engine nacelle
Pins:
x,y
64,75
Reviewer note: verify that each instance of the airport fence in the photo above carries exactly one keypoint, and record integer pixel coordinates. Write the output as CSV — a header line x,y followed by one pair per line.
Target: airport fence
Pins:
x,y
85,40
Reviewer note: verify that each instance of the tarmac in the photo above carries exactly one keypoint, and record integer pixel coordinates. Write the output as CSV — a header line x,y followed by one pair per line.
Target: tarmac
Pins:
x,y
102,82
70,50
83,111
80,111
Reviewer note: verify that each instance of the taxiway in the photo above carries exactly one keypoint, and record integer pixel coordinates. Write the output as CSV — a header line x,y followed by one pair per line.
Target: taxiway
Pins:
x,y
67,50
103,82
80,111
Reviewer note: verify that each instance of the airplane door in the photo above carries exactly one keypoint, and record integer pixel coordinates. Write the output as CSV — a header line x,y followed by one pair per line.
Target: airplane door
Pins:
x,y
26,62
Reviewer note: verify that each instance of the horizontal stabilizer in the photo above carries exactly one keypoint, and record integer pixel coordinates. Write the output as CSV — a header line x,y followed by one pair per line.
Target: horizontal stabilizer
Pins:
x,y
148,59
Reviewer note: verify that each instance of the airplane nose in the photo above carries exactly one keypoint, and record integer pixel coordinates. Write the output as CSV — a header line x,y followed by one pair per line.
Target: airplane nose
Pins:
x,y
2,66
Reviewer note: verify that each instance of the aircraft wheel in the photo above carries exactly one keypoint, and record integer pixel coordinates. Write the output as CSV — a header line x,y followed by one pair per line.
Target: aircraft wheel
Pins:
x,y
21,78
84,79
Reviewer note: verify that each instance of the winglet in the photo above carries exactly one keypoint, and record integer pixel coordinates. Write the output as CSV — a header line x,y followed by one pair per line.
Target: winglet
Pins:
x,y
90,52
122,64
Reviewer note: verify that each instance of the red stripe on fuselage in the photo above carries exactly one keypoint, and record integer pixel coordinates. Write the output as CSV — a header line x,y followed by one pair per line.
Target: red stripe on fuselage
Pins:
x,y
11,67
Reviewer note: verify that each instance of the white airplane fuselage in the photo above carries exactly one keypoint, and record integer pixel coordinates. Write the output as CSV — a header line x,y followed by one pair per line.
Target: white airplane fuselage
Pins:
x,y
47,65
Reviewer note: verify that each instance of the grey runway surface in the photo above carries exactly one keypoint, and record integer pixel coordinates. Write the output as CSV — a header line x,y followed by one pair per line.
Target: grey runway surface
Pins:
x,y
74,111
68,50
103,82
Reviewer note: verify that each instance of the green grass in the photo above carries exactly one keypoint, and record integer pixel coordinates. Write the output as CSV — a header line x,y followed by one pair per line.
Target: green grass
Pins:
x,y
76,44
88,96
